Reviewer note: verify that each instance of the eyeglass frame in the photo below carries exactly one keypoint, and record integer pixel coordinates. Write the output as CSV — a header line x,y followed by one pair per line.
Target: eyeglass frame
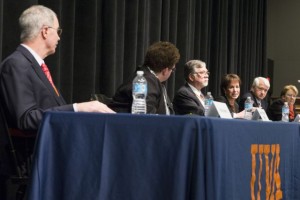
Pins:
x,y
202,73
291,95
173,70
261,89
58,30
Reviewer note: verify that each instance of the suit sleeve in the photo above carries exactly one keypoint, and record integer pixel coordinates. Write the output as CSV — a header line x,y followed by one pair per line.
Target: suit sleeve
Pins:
x,y
274,110
154,95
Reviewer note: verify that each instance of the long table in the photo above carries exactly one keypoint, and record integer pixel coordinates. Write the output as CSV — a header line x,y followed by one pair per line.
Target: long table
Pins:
x,y
88,156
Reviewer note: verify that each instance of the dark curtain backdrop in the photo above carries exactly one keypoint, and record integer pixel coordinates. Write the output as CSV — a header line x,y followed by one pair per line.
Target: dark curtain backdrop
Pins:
x,y
103,41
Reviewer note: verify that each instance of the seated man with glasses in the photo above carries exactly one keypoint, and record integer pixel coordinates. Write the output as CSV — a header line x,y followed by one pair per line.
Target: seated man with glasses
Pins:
x,y
288,94
159,64
189,99
258,92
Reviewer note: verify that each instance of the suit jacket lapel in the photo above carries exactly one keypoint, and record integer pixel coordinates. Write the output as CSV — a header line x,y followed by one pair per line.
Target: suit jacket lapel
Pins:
x,y
38,70
193,95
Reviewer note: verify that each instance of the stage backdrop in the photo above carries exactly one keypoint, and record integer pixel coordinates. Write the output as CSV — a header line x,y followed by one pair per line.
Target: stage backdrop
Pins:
x,y
103,41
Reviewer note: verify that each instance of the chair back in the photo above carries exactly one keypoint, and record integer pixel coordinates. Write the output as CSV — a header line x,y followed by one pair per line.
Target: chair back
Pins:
x,y
4,146
114,105
16,170
7,148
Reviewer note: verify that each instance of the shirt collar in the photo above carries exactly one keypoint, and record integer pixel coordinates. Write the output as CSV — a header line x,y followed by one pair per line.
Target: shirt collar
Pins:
x,y
34,54
195,90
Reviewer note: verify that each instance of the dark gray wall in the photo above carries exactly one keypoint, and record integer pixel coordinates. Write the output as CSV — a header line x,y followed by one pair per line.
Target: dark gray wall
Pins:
x,y
283,44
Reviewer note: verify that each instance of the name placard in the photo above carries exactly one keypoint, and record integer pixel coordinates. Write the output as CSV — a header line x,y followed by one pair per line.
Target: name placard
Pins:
x,y
297,118
219,109
260,114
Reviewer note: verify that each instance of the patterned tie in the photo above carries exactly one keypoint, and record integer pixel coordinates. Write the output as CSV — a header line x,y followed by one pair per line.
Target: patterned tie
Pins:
x,y
48,75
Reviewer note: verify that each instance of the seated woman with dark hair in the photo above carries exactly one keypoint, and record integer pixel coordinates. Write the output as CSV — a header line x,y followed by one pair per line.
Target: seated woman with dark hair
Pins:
x,y
230,89
288,94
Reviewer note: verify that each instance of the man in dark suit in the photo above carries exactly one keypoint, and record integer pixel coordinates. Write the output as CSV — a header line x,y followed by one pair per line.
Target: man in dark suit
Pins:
x,y
25,90
258,92
26,86
189,98
159,63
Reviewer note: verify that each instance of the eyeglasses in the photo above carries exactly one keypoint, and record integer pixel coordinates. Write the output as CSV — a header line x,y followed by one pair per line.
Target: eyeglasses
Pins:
x,y
202,73
291,96
173,70
58,30
262,89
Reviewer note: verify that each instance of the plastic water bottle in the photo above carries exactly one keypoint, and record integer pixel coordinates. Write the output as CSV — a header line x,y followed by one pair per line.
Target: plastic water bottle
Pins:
x,y
208,102
285,112
139,93
248,108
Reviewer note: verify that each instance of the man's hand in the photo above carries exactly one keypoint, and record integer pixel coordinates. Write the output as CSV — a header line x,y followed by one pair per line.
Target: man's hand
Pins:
x,y
93,106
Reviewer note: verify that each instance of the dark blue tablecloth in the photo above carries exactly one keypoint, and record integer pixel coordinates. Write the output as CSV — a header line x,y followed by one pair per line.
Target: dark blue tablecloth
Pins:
x,y
88,156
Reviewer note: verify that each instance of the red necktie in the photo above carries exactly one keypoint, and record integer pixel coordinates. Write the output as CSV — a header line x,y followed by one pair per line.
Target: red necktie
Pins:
x,y
292,116
47,73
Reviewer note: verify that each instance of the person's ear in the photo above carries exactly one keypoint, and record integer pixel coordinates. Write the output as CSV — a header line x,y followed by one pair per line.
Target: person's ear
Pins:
x,y
165,71
191,77
44,32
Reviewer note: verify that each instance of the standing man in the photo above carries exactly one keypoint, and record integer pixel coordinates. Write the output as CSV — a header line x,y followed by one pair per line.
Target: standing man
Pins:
x,y
159,64
258,92
26,86
189,98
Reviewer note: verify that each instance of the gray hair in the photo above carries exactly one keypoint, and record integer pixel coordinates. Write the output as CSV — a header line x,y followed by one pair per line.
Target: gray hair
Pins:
x,y
190,67
263,79
33,19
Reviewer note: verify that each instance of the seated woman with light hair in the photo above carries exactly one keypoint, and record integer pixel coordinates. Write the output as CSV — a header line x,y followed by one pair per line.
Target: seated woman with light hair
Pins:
x,y
288,94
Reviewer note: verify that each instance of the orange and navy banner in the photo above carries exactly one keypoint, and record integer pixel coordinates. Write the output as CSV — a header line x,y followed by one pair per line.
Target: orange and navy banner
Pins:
x,y
265,161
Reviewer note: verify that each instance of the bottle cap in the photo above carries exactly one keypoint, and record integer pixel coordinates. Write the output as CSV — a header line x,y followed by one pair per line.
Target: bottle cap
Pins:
x,y
140,73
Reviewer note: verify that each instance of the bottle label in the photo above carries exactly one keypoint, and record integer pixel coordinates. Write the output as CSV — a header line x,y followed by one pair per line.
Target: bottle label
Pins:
x,y
140,88
248,106
208,102
285,110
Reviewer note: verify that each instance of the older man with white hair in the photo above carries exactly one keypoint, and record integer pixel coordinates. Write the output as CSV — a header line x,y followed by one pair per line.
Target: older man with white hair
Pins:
x,y
258,92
